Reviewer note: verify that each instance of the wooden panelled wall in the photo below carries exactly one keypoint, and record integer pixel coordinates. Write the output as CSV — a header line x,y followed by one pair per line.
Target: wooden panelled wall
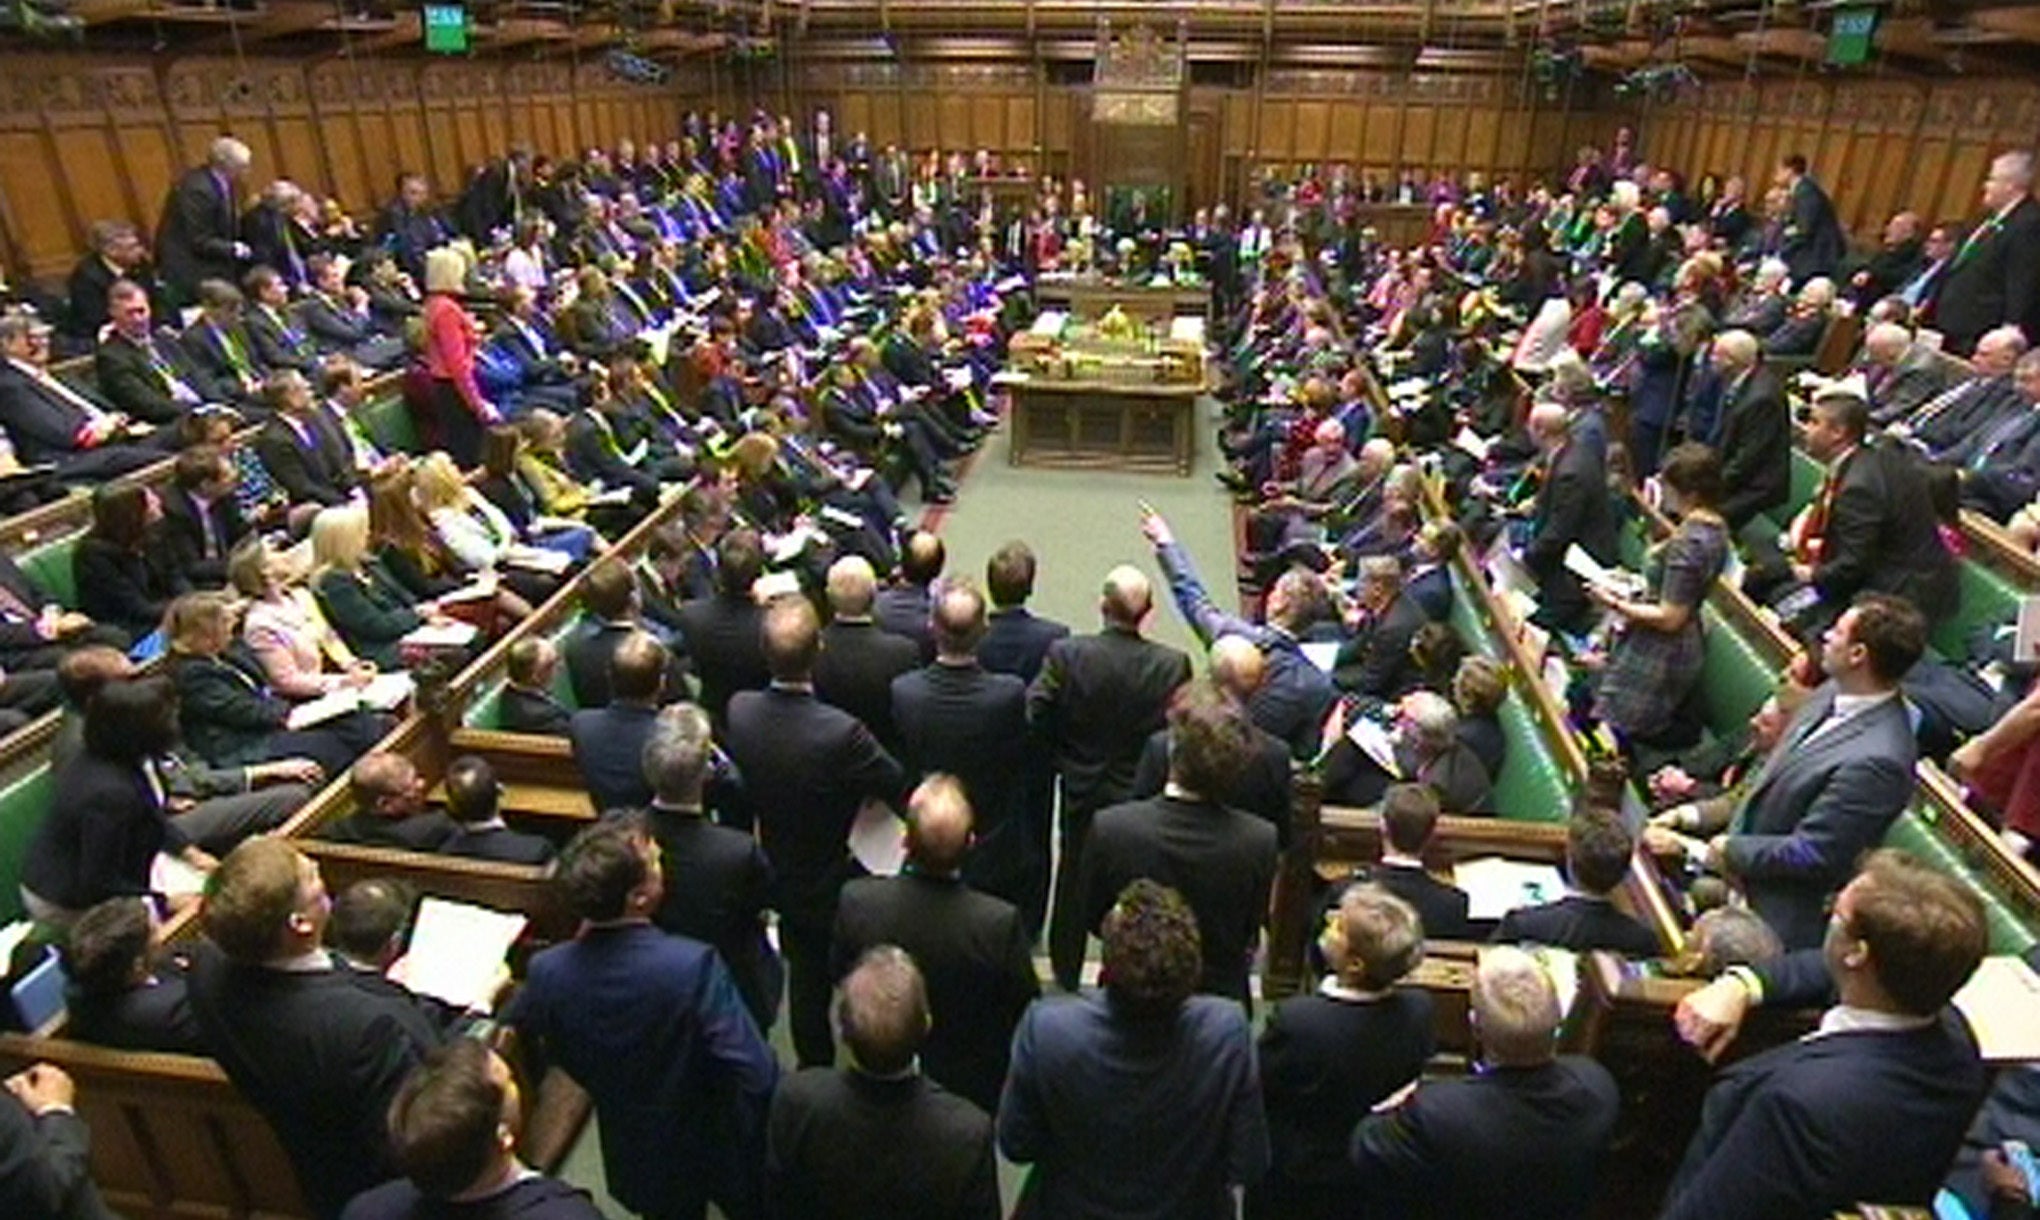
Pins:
x,y
85,139
1878,146
1383,122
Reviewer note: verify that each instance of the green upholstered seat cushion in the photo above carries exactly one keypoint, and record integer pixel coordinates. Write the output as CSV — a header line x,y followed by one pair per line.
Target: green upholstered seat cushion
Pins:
x,y
49,568
24,802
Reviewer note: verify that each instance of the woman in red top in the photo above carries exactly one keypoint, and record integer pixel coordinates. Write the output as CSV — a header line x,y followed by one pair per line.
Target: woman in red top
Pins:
x,y
455,414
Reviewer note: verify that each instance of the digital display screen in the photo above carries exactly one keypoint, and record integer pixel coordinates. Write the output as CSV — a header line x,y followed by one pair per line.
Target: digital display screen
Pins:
x,y
446,29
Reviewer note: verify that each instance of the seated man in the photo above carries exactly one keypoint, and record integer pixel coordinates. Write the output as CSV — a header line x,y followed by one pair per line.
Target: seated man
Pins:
x,y
118,996
219,348
473,803
454,1127
1597,853
528,704
142,372
1520,1139
877,1138
317,1049
118,254
1902,373
48,420
1425,748
2000,466
1971,405
389,799
299,450
1874,1103
1409,817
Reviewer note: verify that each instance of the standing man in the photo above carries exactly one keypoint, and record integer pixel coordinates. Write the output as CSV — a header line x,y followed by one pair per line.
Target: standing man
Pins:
x,y
1572,508
956,718
859,658
1017,642
1143,1097
808,768
198,237
1874,1102
971,947
1756,430
1994,278
653,1028
1095,701
1221,860
1813,242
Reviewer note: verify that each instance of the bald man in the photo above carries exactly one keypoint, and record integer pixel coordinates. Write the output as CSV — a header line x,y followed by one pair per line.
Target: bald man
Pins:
x,y
1902,374
1756,430
859,658
973,948
1994,279
1096,701
807,769
903,607
955,716
1262,787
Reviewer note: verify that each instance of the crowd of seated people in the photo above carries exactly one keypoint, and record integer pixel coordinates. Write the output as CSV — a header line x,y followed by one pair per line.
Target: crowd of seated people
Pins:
x,y
730,753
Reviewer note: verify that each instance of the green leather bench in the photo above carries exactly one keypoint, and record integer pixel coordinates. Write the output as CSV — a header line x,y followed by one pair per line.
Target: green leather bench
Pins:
x,y
1735,677
388,422
1913,832
49,567
24,802
1531,787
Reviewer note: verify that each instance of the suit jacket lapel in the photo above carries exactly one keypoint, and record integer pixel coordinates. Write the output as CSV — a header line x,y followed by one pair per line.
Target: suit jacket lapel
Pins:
x,y
1815,711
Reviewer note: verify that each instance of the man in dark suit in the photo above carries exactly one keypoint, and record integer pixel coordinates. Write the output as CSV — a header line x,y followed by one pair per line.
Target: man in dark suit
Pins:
x,y
808,768
876,1138
1972,404
903,608
1221,860
1292,700
1426,748
198,237
144,374
545,370
389,802
609,741
955,718
118,254
1095,702
1142,1090
1994,277
2000,467
651,1025
473,800
1374,662
1521,1138
1598,848
718,882
202,523
721,632
114,996
50,420
1902,373
1016,641
859,658
1873,1104
971,947
1409,817
221,354
1867,530
1756,430
528,704
318,1050
609,609
1899,257
1261,785
45,1149
1813,240
1428,582
1572,508
494,199
1836,781
307,461
410,227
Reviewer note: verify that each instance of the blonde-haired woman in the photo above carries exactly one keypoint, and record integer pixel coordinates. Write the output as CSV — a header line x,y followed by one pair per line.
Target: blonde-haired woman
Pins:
x,y
297,648
456,410
361,599
543,465
476,533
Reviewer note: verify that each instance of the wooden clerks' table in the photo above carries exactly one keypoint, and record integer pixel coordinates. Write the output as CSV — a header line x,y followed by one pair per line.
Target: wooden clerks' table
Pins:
x,y
1091,401
1090,297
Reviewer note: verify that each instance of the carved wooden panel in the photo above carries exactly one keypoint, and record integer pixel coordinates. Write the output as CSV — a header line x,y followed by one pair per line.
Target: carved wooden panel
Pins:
x,y
1311,134
1419,125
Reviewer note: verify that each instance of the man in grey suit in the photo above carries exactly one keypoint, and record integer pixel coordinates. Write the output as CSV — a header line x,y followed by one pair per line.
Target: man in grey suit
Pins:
x,y
1902,373
1833,785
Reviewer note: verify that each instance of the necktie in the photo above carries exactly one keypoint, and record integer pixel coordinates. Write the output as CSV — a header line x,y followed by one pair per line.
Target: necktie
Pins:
x,y
1982,234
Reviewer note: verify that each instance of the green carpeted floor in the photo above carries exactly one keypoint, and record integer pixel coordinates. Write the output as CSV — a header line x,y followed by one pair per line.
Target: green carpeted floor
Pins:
x,y
1082,522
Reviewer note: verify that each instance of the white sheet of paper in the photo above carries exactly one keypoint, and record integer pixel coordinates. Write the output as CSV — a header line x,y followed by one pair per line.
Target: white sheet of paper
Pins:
x,y
171,876
1591,570
2026,639
1322,653
1495,886
1999,1001
1373,739
1472,443
456,951
386,692
329,706
775,585
878,839
1507,573
438,635
473,591
537,559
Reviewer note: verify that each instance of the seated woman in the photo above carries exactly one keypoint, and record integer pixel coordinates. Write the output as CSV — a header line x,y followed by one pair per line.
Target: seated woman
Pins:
x,y
371,610
402,544
556,489
300,653
117,583
503,484
229,714
477,534
109,818
1654,663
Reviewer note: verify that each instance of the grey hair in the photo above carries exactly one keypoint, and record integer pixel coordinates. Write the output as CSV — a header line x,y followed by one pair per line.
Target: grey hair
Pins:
x,y
677,754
